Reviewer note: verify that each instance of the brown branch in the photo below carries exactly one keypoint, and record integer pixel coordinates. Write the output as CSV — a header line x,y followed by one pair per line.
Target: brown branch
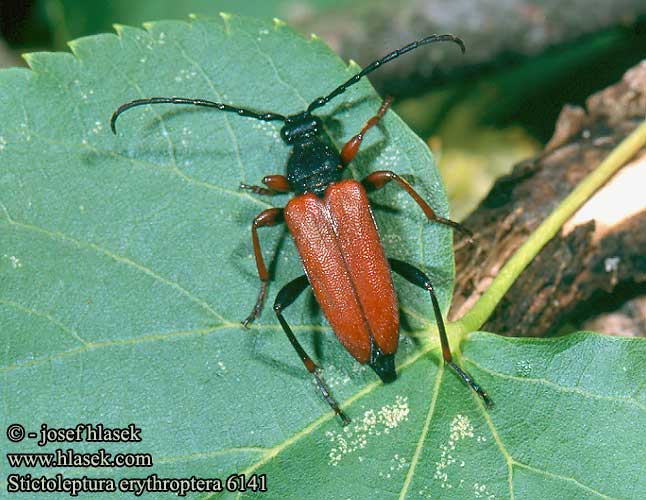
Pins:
x,y
600,251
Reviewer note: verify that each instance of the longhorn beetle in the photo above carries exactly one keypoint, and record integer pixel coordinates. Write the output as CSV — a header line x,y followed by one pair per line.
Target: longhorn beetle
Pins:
x,y
335,234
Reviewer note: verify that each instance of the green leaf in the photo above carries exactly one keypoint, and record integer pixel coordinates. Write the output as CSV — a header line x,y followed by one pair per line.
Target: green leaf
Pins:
x,y
126,266
568,423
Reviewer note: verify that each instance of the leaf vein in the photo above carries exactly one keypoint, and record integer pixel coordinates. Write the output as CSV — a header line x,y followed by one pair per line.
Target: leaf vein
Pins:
x,y
560,388
91,346
276,450
225,117
423,434
501,446
277,73
564,478
182,175
209,454
151,165
46,316
57,235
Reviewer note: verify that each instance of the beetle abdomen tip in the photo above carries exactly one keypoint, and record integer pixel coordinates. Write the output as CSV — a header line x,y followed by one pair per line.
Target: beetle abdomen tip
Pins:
x,y
384,366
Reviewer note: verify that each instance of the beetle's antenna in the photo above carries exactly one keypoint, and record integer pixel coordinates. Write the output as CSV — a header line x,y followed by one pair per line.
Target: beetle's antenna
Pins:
x,y
267,117
322,101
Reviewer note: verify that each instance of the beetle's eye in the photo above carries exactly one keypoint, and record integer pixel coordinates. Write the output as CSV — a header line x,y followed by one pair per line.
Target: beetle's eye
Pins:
x,y
285,134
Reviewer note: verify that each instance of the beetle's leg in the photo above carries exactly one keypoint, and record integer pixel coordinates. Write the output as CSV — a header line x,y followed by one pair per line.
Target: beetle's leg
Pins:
x,y
380,178
275,184
351,148
269,217
288,294
418,278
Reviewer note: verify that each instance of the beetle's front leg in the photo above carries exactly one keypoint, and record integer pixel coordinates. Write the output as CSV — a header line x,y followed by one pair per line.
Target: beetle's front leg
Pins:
x,y
380,178
351,148
269,217
276,184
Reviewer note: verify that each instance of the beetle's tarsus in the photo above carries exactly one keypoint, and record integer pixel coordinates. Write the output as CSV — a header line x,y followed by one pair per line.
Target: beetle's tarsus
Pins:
x,y
468,379
345,420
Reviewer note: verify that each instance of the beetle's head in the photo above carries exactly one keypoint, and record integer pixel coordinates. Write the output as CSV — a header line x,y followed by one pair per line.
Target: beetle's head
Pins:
x,y
300,128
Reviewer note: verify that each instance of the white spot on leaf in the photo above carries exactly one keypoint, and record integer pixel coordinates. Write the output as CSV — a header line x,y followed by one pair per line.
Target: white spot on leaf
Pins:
x,y
523,368
374,423
15,261
480,491
459,429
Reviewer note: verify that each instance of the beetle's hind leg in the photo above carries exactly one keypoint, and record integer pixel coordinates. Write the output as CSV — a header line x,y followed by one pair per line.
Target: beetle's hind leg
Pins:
x,y
418,278
288,294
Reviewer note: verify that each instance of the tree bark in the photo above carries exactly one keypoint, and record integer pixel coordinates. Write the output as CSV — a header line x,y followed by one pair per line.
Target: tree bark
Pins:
x,y
493,31
598,260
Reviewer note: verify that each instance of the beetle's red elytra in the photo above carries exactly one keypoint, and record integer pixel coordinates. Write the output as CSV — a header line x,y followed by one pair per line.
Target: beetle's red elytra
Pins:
x,y
336,236
346,266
